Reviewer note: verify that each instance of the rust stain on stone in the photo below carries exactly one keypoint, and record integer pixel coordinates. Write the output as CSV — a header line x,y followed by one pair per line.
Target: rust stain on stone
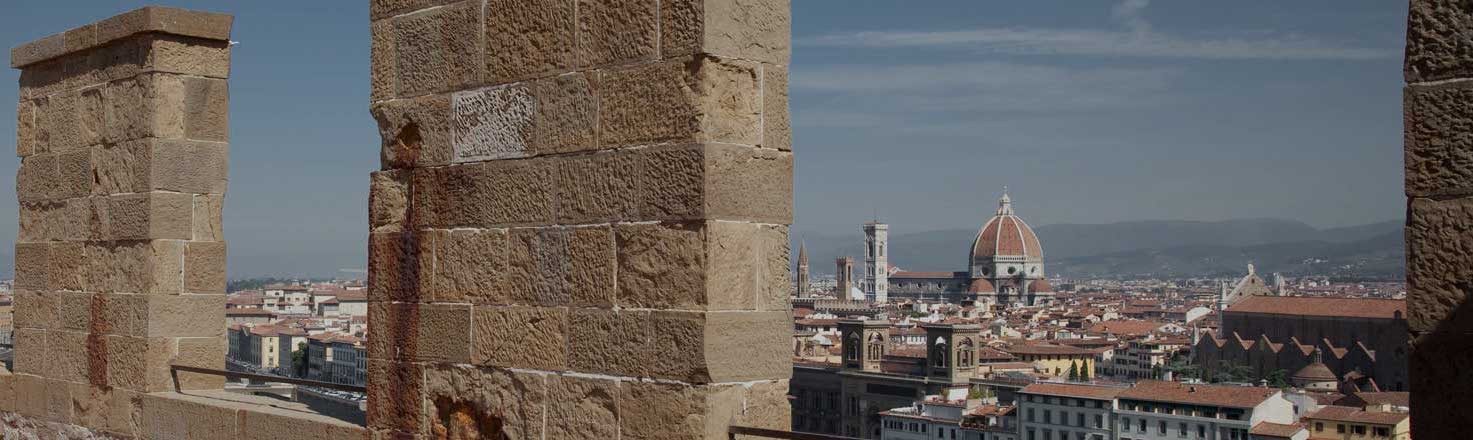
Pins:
x,y
459,420
96,344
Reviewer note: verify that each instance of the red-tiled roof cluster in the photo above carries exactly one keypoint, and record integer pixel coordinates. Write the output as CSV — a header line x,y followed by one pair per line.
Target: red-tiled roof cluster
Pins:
x,y
1198,394
1357,415
1073,390
1321,306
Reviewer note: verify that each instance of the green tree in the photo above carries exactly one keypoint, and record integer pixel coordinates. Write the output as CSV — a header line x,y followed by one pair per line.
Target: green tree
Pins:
x,y
1073,371
299,360
980,392
1278,378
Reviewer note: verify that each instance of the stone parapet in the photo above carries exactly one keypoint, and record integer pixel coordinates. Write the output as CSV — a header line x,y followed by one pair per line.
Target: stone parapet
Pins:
x,y
580,224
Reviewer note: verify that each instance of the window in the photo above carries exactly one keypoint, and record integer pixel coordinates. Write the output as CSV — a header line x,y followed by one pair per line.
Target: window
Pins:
x,y
1340,428
1031,435
1125,423
1030,415
1381,431
1079,420
1360,429
1181,429
1201,431
1064,417
1161,427
1319,427
1099,421
1141,426
1048,417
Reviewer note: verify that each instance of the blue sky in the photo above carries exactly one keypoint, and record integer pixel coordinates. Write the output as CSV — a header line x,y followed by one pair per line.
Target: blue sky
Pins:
x,y
916,112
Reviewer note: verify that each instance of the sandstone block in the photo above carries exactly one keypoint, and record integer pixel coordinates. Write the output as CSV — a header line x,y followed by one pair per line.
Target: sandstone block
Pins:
x,y
748,29
520,337
38,178
44,78
1439,153
657,411
537,267
26,129
269,423
31,352
32,266
69,356
493,194
777,128
175,21
749,184
186,316
125,314
600,188
611,342
492,123
7,391
1437,234
382,58
424,332
74,174
47,47
528,38
153,267
178,416
34,387
58,402
681,100
209,58
469,402
151,105
204,267
137,364
388,200
380,9
103,409
567,113
1436,48
582,407
121,58
415,132
91,116
437,49
178,165
702,266
73,311
706,347
396,396
1433,386
207,213
206,352
470,266
34,310
617,31
592,262
154,215
42,221
399,266
207,109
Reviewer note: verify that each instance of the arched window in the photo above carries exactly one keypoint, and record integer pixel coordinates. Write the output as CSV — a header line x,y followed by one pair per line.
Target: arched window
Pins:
x,y
876,346
965,353
939,352
851,347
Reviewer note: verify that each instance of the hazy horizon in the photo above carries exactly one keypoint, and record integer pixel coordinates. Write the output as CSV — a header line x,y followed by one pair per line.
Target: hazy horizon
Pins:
x,y
916,113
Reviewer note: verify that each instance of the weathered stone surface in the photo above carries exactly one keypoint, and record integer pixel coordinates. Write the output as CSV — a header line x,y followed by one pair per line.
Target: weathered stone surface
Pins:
x,y
399,266
177,416
73,174
109,410
7,391
268,423
1438,130
380,9
600,188
59,119
396,395
470,266
1437,46
537,267
662,265
582,407
705,347
34,309
528,38
121,58
25,119
645,410
492,123
91,116
521,337
204,267
68,357
427,332
47,47
73,311
777,128
435,51
66,271
30,345
135,267
747,29
124,314
150,105
207,212
567,113
37,178
466,402
190,316
1439,234
43,78
190,56
160,164
617,31
383,75
749,184
152,215
32,266
592,262
175,21
681,100
492,194
415,132
205,352
29,385
388,200
1433,384
611,342
207,109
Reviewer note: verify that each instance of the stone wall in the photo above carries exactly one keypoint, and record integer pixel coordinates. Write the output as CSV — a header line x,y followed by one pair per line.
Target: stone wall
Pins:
x,y
1438,124
120,262
580,227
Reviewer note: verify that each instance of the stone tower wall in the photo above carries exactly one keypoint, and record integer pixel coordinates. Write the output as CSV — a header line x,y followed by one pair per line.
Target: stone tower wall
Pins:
x,y
1438,123
580,225
120,261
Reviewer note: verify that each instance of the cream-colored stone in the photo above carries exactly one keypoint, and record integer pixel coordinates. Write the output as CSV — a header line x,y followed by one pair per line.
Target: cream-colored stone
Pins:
x,y
34,309
176,416
528,38
437,50
382,73
32,266
388,200
492,123
189,56
207,217
748,29
207,109
154,215
777,128
415,132
191,316
582,407
31,355
744,183
681,100
153,267
69,356
204,267
150,105
25,119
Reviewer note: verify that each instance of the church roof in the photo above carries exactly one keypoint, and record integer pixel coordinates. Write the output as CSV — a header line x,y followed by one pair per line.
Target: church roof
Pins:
x,y
1006,235
1322,306
980,285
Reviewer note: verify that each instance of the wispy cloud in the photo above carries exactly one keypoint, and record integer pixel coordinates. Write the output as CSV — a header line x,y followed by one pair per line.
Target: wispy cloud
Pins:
x,y
1137,39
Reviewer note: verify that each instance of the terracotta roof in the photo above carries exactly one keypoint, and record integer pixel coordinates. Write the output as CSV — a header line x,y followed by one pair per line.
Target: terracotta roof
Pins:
x,y
247,311
1321,306
351,295
1315,372
1275,429
1009,237
1357,415
980,285
1043,348
1398,398
1073,390
1040,286
1198,394
1126,327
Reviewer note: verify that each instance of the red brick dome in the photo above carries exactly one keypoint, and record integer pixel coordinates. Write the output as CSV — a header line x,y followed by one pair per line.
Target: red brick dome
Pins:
x,y
1006,235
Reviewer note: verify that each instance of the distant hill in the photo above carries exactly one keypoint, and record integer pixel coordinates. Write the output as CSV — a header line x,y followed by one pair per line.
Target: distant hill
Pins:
x,y
1154,248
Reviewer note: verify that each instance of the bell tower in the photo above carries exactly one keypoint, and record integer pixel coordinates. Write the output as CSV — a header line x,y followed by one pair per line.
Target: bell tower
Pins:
x,y
864,343
951,351
876,264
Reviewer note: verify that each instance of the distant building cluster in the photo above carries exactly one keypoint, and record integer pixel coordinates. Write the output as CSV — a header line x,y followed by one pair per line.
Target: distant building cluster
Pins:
x,y
313,331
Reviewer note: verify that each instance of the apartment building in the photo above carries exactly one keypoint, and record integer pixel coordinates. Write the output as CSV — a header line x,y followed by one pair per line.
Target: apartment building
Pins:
x,y
1067,411
1157,410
